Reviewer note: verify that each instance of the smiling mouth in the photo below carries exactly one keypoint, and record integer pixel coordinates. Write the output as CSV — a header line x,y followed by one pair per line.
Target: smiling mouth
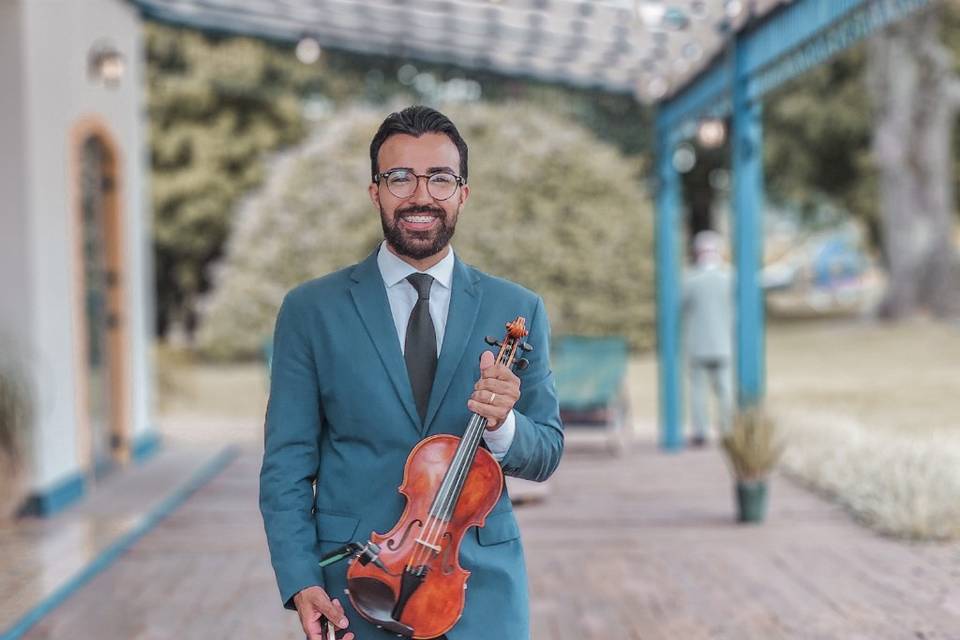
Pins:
x,y
419,219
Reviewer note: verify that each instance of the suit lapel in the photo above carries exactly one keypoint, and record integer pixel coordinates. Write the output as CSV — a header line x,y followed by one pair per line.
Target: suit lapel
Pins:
x,y
370,298
465,298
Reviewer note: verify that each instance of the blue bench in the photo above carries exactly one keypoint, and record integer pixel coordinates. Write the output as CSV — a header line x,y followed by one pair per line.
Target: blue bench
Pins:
x,y
591,385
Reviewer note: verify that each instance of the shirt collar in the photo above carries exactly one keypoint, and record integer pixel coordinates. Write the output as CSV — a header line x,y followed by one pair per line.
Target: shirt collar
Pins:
x,y
393,270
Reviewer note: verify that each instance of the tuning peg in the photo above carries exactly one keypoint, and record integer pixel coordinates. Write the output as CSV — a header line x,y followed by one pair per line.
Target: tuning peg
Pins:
x,y
522,364
526,346
493,342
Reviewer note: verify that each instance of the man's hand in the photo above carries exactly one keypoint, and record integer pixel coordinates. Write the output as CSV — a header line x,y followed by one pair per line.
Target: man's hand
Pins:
x,y
495,393
312,603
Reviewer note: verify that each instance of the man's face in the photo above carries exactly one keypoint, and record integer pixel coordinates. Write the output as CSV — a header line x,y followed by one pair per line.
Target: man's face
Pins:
x,y
418,226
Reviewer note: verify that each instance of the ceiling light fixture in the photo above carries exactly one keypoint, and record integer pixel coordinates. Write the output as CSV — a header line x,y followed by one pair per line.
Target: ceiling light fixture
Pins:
x,y
105,64
308,50
711,133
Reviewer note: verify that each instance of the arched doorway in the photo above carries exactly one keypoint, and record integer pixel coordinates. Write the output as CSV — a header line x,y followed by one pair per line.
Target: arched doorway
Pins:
x,y
103,321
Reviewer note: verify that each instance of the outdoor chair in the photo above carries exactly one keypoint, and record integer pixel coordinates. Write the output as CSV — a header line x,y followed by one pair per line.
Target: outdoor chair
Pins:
x,y
591,384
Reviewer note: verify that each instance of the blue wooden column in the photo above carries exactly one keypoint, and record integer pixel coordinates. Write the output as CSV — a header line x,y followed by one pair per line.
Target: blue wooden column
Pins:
x,y
748,236
668,290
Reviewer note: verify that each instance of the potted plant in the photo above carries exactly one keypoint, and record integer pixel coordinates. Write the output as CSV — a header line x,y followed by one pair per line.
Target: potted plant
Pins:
x,y
16,414
753,449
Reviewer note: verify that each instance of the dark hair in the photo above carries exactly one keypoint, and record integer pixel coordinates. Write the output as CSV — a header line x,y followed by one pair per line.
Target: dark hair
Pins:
x,y
416,121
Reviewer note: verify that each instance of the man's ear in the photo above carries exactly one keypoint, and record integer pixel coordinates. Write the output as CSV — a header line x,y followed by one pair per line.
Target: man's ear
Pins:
x,y
464,194
374,192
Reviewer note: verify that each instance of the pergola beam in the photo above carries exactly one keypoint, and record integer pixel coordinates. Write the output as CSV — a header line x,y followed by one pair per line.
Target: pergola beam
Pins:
x,y
778,47
763,55
549,60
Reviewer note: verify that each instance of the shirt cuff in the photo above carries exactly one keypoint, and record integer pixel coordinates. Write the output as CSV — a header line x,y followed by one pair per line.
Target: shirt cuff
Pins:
x,y
499,441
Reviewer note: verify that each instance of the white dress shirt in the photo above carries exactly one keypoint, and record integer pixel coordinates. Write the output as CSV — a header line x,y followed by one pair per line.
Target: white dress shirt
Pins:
x,y
403,296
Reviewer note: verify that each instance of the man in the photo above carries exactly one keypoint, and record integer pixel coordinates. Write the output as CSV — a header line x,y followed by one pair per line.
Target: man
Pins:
x,y
369,360
707,318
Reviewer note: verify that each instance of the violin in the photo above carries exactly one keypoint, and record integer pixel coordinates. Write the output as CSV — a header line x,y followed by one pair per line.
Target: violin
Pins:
x,y
409,580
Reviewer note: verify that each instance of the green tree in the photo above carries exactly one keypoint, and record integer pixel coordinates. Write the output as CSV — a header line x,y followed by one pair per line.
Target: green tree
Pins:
x,y
874,131
817,140
215,106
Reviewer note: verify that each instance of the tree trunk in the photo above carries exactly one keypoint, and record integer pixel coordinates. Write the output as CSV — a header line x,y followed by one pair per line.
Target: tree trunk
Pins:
x,y
915,97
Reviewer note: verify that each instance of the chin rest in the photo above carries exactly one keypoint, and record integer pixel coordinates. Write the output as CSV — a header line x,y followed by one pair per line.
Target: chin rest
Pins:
x,y
375,600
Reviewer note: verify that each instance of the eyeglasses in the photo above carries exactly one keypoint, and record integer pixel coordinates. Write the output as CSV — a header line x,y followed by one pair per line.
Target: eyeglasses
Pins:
x,y
403,183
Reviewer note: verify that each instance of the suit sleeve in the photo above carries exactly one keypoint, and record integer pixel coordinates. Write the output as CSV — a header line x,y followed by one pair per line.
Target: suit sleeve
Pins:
x,y
538,439
291,456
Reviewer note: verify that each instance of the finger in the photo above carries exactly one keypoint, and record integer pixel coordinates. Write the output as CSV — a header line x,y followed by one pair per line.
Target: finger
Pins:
x,y
499,387
497,402
499,372
486,360
312,628
333,612
493,414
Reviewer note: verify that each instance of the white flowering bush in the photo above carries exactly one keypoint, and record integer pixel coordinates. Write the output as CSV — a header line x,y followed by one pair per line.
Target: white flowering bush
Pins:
x,y
902,484
551,207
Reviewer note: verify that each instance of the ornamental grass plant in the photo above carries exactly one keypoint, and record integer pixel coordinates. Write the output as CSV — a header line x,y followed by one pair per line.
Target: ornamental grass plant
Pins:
x,y
753,445
16,415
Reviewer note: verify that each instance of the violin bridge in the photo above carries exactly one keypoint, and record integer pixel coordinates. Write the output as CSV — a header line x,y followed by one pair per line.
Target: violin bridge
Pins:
x,y
435,548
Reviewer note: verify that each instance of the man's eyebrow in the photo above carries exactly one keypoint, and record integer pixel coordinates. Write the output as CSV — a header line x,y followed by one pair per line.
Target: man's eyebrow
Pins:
x,y
429,171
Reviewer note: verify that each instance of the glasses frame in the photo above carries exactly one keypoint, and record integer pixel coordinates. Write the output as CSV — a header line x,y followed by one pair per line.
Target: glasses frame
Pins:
x,y
386,174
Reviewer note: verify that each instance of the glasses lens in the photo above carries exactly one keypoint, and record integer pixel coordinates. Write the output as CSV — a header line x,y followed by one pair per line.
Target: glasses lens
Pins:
x,y
441,185
402,184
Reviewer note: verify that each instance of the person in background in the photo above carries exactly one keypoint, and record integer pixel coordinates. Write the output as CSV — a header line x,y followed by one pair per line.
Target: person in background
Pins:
x,y
708,334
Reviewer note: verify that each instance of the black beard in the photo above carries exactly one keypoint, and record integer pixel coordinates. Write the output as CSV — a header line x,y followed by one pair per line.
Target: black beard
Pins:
x,y
401,243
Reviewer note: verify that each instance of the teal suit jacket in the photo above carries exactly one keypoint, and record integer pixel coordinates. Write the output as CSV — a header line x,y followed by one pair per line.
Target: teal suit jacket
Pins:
x,y
342,415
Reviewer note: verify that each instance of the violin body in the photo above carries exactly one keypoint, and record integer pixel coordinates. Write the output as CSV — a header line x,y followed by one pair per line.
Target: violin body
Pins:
x,y
436,603
409,581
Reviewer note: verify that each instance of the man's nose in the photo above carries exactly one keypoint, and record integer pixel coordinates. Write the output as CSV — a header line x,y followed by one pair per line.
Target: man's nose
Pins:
x,y
420,194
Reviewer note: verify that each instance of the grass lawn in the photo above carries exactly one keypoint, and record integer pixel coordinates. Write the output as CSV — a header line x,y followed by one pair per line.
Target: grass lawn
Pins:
x,y
899,379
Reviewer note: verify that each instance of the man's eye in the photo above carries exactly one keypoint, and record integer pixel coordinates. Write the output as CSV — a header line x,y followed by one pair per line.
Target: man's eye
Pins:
x,y
400,178
441,178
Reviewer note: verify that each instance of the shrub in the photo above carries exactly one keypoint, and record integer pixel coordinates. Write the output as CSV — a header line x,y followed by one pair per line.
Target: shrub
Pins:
x,y
551,207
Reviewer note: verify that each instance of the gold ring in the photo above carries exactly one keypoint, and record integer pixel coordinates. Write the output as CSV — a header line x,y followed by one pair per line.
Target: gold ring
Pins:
x,y
492,397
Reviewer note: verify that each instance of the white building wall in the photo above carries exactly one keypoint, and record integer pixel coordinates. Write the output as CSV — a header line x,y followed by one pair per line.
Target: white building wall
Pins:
x,y
16,301
56,37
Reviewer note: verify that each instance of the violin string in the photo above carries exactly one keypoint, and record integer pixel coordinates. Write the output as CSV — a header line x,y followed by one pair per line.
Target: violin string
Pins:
x,y
446,494
462,466
442,497
472,439
453,482
478,434
448,491
434,520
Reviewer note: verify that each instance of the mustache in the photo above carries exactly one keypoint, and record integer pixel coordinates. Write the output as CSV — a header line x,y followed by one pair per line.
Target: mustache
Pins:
x,y
421,208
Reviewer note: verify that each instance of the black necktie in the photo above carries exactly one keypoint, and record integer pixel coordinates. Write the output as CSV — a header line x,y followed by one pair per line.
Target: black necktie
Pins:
x,y
420,345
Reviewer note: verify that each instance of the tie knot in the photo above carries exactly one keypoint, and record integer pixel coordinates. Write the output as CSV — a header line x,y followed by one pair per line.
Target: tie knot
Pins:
x,y
422,283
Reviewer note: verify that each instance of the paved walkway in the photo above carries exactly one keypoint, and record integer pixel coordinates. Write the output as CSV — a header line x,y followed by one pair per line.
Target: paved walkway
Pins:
x,y
42,558
640,546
